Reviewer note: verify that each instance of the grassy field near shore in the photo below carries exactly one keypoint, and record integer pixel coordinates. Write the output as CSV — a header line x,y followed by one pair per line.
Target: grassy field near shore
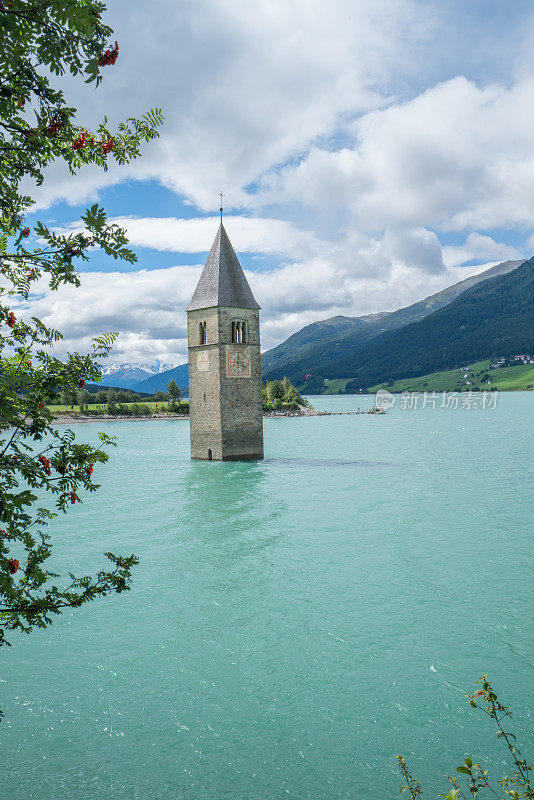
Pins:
x,y
514,378
61,408
333,385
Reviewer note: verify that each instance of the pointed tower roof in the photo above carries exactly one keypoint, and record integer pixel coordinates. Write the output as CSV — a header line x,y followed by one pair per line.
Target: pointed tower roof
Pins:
x,y
223,281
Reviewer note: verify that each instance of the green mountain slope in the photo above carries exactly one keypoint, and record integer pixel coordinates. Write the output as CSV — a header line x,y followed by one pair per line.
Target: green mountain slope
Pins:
x,y
339,337
495,317
479,375
303,348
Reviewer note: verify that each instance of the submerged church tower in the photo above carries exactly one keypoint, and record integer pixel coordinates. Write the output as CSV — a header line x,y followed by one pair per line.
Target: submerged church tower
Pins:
x,y
223,331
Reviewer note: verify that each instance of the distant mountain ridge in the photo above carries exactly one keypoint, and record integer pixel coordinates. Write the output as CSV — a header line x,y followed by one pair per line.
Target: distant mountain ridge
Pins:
x,y
155,383
318,346
494,317
128,374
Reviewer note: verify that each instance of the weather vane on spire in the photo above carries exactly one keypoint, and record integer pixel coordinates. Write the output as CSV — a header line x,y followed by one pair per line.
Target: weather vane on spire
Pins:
x,y
221,208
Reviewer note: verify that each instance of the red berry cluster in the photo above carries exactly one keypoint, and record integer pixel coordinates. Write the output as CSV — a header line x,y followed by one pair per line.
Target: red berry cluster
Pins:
x,y
82,140
13,565
79,143
11,319
22,102
81,383
107,147
89,470
25,232
53,128
46,464
73,497
109,56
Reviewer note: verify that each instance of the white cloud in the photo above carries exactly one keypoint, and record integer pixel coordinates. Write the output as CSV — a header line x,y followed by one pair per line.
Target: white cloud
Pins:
x,y
244,86
477,246
252,235
456,157
416,248
145,307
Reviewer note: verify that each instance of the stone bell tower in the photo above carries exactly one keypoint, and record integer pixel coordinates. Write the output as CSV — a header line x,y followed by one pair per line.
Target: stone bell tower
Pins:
x,y
223,331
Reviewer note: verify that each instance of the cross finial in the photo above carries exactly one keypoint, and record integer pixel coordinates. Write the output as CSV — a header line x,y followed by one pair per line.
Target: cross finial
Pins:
x,y
221,208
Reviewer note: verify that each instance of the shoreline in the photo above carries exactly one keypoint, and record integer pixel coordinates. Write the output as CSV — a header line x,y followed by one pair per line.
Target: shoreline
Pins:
x,y
67,419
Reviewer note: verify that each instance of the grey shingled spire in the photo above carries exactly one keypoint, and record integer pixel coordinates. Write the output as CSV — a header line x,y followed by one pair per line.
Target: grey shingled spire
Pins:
x,y
223,281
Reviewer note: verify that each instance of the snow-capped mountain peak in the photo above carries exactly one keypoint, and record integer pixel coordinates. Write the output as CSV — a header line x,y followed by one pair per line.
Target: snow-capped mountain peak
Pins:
x,y
128,374
152,369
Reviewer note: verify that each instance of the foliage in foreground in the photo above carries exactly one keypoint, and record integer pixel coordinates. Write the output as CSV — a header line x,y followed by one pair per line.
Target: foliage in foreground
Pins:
x,y
478,782
37,128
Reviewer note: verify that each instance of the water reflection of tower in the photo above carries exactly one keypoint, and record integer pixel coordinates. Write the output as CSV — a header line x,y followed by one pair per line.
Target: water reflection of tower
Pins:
x,y
222,498
229,518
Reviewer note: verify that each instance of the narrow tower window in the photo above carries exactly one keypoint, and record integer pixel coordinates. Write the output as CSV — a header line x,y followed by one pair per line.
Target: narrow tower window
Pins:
x,y
237,332
202,332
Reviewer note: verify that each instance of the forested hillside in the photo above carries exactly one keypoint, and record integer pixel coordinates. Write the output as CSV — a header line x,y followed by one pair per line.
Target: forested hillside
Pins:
x,y
496,317
320,344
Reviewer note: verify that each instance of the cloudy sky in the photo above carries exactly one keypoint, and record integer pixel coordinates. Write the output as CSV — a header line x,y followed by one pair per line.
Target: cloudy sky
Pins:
x,y
371,152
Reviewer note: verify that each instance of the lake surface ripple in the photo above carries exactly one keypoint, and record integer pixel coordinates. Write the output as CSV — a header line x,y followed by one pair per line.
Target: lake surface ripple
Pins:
x,y
294,623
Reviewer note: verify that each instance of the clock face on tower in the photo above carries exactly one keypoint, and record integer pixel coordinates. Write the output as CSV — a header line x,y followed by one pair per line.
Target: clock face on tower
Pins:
x,y
238,361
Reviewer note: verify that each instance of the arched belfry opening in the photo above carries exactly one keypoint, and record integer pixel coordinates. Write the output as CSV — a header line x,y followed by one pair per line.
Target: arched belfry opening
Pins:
x,y
239,329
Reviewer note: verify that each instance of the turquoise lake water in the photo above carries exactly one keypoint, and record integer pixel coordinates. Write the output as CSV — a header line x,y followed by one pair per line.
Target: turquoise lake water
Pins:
x,y
294,623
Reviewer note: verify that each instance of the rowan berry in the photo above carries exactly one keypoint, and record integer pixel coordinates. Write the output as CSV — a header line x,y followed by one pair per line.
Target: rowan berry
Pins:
x,y
110,56
79,142
13,565
46,464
